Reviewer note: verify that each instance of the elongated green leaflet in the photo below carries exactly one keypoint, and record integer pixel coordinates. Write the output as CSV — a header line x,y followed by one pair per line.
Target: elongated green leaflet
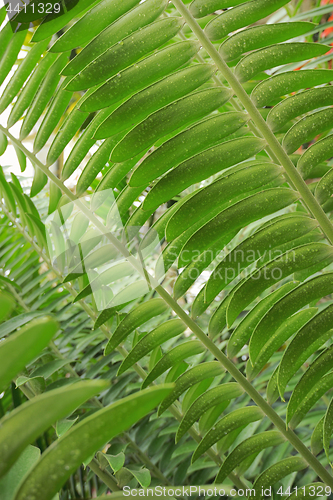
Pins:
x,y
137,317
200,8
151,99
71,449
173,357
91,24
234,420
223,189
171,251
285,83
12,51
278,232
21,347
272,387
21,74
55,21
317,437
199,137
43,96
39,181
240,16
3,143
200,167
161,334
260,36
23,425
84,143
311,398
300,258
275,473
250,446
95,259
52,117
327,430
307,129
193,270
324,188
120,56
203,403
7,194
316,332
29,90
321,150
125,296
95,164
5,35
298,104
235,217
178,114
141,75
309,380
276,55
190,378
110,275
131,22
291,326
68,129
7,305
258,344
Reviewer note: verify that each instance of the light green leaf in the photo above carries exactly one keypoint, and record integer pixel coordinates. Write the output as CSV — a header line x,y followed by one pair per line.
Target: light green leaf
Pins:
x,y
257,37
137,317
64,425
161,334
24,424
276,55
228,423
275,473
299,402
85,438
316,332
285,83
7,305
327,428
9,483
240,16
120,56
171,358
116,462
201,166
190,378
209,399
139,76
21,347
250,446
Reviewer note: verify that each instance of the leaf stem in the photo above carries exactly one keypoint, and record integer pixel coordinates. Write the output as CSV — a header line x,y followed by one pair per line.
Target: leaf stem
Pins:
x,y
228,365
139,370
274,145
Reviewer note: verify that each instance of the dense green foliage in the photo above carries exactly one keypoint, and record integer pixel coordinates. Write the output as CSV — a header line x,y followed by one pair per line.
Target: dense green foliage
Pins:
x,y
166,274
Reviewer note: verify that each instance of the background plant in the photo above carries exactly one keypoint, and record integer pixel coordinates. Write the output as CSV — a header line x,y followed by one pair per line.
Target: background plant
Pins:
x,y
168,146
